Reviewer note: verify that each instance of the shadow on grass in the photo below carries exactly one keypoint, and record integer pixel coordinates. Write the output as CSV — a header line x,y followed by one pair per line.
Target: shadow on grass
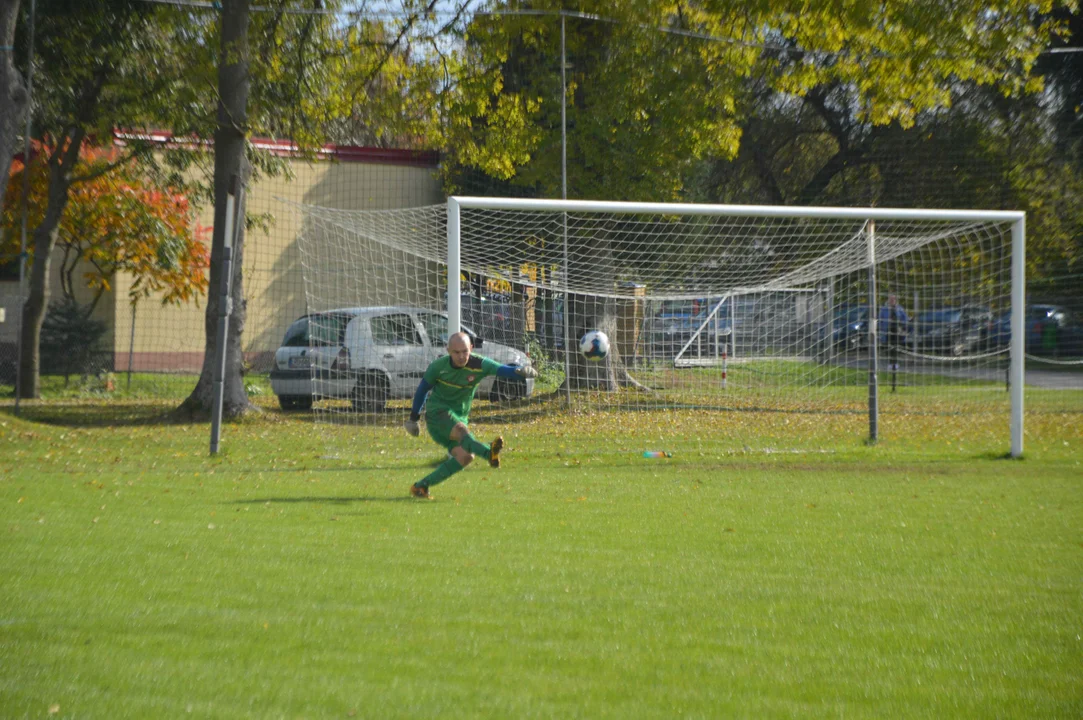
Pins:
x,y
375,468
510,412
995,455
93,414
325,500
87,414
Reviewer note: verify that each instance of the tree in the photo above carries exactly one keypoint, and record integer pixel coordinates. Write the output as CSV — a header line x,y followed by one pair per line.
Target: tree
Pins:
x,y
13,96
650,98
114,222
93,59
983,149
284,71
298,74
230,162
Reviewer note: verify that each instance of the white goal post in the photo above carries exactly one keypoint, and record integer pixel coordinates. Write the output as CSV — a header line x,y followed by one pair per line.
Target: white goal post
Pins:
x,y
909,230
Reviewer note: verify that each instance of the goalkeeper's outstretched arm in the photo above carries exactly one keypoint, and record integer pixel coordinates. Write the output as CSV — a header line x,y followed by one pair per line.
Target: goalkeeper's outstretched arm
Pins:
x,y
517,371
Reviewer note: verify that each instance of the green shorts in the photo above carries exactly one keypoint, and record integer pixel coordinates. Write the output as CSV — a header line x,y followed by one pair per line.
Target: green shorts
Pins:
x,y
440,423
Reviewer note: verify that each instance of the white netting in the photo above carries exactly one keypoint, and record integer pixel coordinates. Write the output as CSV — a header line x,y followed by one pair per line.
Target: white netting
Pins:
x,y
703,311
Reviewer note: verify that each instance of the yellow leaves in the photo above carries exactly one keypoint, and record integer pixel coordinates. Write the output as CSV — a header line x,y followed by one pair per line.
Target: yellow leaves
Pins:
x,y
1034,85
509,138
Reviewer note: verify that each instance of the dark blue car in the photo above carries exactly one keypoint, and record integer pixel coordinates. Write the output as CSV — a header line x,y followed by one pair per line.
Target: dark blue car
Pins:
x,y
680,322
953,330
1049,330
849,329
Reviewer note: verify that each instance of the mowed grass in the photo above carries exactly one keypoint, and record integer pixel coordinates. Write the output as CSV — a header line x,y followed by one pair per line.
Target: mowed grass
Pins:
x,y
291,576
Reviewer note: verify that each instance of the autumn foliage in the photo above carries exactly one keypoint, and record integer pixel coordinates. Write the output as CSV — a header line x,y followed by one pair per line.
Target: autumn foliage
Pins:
x,y
114,222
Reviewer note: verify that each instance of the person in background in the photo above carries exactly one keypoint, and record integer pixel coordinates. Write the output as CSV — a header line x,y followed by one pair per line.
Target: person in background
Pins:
x,y
894,324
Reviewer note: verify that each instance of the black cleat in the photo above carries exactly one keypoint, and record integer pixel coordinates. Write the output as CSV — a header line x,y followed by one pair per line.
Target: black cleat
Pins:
x,y
420,492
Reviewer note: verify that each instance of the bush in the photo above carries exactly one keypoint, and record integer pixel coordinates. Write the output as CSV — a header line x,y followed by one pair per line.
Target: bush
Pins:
x,y
69,340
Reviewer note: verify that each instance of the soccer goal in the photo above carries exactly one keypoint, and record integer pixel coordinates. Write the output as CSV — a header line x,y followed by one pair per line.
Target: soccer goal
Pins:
x,y
761,311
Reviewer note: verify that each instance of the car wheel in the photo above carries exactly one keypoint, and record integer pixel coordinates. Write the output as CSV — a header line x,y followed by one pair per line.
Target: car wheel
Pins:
x,y
506,390
295,402
371,393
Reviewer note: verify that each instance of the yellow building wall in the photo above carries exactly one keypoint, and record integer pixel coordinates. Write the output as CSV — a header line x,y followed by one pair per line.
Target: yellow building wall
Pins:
x,y
172,338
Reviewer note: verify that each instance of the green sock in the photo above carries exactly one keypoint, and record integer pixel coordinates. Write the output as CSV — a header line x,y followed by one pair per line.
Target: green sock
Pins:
x,y
446,469
471,445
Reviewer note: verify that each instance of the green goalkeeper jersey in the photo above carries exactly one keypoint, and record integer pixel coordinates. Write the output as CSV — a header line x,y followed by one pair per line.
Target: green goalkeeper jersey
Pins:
x,y
453,388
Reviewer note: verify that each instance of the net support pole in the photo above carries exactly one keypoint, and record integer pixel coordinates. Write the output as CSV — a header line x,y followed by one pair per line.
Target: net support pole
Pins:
x,y
454,268
564,196
131,348
566,315
225,309
874,355
1018,328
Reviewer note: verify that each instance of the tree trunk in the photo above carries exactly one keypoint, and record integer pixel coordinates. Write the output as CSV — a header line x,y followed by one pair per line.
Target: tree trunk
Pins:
x,y
229,161
61,165
592,263
588,313
12,91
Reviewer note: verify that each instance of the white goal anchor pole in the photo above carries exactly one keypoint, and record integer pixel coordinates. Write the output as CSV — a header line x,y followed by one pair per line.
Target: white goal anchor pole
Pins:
x,y
1018,328
874,355
454,269
225,309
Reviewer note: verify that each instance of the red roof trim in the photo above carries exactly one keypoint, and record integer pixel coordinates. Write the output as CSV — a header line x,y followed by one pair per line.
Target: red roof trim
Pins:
x,y
342,153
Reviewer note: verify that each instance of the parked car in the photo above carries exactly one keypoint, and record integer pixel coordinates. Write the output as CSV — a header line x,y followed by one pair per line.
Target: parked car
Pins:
x,y
491,315
956,330
370,355
1049,330
849,330
677,322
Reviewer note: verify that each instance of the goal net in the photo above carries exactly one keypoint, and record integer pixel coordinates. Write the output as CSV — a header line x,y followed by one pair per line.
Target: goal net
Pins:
x,y
767,315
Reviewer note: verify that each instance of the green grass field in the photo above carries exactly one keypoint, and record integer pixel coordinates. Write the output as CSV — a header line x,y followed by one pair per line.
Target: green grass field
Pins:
x,y
292,577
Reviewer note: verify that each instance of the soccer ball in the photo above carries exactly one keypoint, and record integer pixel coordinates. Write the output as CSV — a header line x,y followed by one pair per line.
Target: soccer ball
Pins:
x,y
594,345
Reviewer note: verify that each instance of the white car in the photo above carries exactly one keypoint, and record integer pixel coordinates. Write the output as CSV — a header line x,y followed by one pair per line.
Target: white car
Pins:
x,y
370,355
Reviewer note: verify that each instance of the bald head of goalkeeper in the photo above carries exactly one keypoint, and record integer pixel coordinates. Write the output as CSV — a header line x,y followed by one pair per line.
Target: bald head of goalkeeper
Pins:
x,y
459,347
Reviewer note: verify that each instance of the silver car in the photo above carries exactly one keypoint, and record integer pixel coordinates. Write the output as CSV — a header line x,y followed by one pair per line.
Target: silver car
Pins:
x,y
370,355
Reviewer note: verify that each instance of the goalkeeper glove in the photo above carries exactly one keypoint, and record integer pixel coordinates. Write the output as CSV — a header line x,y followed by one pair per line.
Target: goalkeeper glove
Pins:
x,y
526,372
412,427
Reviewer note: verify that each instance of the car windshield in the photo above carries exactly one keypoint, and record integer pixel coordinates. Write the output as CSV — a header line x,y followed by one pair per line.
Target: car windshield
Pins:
x,y
323,330
395,329
328,329
435,326
296,334
945,315
1040,312
851,315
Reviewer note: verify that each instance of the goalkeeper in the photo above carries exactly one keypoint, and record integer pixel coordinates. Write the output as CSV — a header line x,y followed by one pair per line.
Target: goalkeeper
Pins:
x,y
453,380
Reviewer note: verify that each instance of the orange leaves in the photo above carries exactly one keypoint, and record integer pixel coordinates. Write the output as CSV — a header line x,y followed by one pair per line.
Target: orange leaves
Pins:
x,y
116,222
